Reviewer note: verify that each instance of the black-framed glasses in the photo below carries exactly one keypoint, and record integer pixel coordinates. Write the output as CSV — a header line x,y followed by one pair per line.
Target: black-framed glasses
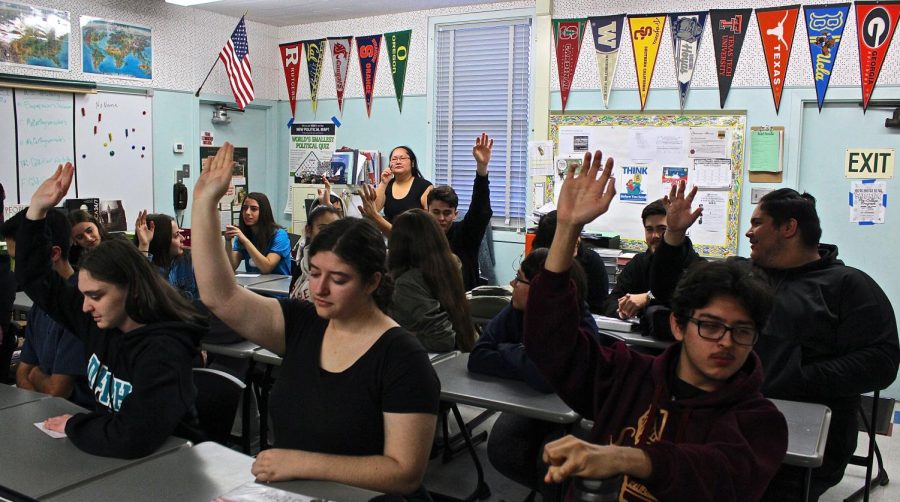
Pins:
x,y
519,280
715,331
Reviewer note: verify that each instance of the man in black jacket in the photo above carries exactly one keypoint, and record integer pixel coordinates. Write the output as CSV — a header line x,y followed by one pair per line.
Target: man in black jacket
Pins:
x,y
832,334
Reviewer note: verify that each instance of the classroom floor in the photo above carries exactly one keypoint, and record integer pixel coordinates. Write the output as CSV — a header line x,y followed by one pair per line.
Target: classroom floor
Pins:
x,y
458,476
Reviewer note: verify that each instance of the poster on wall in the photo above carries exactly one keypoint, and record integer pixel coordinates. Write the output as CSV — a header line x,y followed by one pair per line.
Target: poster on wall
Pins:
x,y
646,35
290,61
567,34
825,28
315,49
776,30
606,31
398,55
687,31
728,29
868,199
875,26
34,36
309,151
340,62
116,49
230,203
368,49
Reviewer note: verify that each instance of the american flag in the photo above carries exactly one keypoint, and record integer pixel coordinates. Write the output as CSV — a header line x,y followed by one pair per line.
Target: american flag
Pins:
x,y
235,57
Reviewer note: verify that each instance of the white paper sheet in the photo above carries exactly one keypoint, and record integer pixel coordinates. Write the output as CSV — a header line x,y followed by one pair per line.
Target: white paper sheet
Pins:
x,y
709,142
711,174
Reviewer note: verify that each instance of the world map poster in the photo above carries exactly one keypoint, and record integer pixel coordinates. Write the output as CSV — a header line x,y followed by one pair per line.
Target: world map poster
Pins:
x,y
116,49
34,36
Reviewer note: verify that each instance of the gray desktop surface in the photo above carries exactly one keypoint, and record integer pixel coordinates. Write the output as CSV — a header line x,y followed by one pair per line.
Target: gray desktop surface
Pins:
x,y
460,386
807,431
36,465
273,287
13,396
326,490
246,280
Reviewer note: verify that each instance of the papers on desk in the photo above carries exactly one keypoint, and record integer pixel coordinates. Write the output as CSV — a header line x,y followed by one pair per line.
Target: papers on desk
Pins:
x,y
246,275
255,492
53,434
614,324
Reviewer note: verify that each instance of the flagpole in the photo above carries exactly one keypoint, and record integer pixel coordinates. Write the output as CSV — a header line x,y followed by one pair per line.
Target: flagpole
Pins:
x,y
197,94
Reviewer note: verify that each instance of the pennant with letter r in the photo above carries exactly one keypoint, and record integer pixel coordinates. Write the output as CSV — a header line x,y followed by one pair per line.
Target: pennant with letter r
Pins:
x,y
825,28
340,62
368,49
646,34
606,31
398,53
290,61
567,33
687,31
315,49
875,26
776,30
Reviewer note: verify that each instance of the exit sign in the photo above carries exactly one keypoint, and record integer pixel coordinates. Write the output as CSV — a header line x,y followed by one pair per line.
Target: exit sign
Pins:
x,y
869,163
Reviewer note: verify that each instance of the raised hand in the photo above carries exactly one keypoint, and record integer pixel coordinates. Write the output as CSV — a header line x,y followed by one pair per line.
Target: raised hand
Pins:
x,y
587,196
325,195
215,177
144,231
386,175
53,189
482,153
367,195
679,216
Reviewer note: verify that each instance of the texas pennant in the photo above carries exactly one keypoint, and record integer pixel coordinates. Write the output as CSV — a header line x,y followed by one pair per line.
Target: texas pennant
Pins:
x,y
646,34
728,29
568,34
687,30
368,48
398,52
876,22
825,27
607,34
315,49
340,61
290,60
776,30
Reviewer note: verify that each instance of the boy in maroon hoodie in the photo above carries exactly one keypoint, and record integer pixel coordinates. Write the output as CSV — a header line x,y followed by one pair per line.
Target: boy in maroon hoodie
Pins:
x,y
689,424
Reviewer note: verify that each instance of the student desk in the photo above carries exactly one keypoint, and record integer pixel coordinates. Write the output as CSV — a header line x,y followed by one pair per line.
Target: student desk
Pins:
x,y
36,465
807,434
240,350
22,302
245,280
13,396
326,490
273,287
636,339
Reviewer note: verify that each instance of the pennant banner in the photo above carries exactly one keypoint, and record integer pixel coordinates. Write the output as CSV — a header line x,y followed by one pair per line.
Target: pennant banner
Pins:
x,y
315,49
290,60
687,30
825,27
368,48
646,35
398,52
776,30
606,32
568,34
728,29
340,63
876,22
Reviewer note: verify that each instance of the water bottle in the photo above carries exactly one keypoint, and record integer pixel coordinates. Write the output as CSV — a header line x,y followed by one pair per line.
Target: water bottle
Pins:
x,y
598,490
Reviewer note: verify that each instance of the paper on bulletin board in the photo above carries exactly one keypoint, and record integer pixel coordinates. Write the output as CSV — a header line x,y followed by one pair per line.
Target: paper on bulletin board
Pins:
x,y
575,139
712,174
868,200
665,145
710,227
540,158
766,149
709,142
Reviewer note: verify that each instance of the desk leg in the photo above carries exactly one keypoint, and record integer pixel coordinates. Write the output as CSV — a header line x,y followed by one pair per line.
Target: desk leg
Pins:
x,y
806,484
265,388
246,429
482,491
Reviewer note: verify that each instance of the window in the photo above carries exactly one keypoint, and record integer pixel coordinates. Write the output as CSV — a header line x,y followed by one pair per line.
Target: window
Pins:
x,y
482,76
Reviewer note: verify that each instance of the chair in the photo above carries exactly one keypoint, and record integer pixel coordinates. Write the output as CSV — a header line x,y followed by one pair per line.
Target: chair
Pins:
x,y
870,425
218,396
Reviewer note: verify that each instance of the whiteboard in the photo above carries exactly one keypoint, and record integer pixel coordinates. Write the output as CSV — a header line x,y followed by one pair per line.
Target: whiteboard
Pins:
x,y
652,151
8,147
113,147
44,137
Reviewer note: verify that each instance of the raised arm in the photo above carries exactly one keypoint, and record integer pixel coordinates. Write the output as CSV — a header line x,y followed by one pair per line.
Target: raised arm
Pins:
x,y
369,208
675,253
386,176
252,316
477,218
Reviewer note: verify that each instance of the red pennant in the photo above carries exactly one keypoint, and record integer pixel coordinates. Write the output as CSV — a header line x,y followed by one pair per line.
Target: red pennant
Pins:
x,y
875,25
776,29
290,60
568,34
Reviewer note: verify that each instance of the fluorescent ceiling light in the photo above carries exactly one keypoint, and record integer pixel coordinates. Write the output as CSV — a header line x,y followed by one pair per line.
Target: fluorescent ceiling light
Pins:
x,y
187,3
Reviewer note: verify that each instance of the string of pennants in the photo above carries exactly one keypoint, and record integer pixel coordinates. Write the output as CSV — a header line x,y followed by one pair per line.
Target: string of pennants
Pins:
x,y
876,23
368,49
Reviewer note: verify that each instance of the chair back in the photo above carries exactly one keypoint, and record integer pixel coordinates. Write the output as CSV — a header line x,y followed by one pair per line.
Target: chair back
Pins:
x,y
218,396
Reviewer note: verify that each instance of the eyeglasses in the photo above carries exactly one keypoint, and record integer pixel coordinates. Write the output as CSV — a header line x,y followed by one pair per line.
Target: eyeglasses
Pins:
x,y
715,331
398,159
519,280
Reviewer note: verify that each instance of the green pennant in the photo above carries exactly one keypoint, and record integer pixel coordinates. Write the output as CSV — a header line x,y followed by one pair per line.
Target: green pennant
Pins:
x,y
398,51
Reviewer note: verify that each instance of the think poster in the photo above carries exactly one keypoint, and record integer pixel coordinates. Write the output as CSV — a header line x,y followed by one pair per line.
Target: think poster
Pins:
x,y
825,28
290,61
729,26
398,54
340,62
606,31
876,22
568,34
368,48
646,35
687,31
776,30
315,49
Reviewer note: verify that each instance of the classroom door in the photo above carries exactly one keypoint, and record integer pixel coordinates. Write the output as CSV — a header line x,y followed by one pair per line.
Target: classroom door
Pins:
x,y
250,130
825,139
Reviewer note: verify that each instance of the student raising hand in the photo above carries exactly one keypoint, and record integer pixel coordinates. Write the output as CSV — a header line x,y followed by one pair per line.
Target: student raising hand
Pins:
x,y
143,230
215,178
50,192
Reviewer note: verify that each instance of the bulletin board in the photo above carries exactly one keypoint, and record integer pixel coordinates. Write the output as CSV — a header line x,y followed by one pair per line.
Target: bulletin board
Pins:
x,y
651,151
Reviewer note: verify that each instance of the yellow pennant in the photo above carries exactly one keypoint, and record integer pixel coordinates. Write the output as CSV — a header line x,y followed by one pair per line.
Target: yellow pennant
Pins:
x,y
646,34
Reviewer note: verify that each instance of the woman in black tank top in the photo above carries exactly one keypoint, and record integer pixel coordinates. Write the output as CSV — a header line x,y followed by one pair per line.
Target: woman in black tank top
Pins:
x,y
405,171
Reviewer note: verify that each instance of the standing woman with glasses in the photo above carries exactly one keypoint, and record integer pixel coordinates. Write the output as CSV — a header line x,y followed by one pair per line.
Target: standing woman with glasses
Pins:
x,y
402,186
261,244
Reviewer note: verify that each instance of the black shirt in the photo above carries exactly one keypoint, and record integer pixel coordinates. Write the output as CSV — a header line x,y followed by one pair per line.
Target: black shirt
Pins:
x,y
413,199
597,278
341,413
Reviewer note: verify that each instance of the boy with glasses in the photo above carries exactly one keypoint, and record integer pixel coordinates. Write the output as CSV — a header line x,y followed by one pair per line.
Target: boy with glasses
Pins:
x,y
689,424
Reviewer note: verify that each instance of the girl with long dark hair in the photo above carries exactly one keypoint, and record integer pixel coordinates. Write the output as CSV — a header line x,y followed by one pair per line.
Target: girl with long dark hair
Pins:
x,y
260,243
161,240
